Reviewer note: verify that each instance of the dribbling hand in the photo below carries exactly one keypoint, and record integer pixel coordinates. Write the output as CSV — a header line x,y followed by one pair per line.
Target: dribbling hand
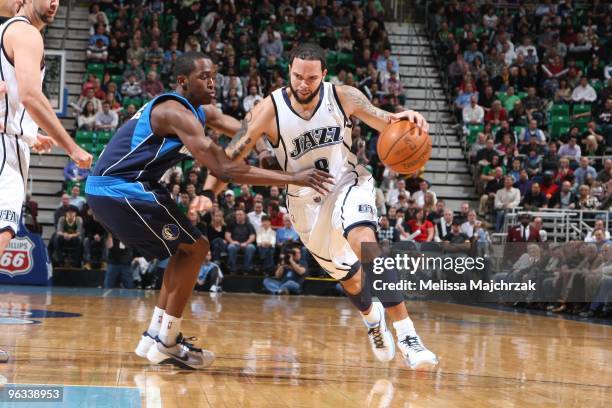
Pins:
x,y
43,144
316,179
412,116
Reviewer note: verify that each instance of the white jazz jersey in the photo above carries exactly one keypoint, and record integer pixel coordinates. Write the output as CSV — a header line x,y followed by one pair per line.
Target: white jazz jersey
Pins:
x,y
19,131
324,141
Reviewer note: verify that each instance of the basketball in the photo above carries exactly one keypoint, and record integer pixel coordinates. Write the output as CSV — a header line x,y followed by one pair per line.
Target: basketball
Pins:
x,y
404,147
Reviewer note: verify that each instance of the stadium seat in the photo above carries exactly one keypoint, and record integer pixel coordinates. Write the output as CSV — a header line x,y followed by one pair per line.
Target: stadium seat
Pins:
x,y
559,109
84,136
473,131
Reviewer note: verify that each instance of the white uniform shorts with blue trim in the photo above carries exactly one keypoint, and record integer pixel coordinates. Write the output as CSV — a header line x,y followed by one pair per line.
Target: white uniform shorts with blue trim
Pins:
x,y
14,163
322,222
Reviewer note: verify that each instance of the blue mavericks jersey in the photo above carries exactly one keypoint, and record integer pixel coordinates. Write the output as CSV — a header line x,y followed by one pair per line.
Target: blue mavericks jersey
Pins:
x,y
135,153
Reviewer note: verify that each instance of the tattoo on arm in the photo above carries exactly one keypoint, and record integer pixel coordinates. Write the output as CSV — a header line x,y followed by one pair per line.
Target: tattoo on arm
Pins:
x,y
361,102
240,141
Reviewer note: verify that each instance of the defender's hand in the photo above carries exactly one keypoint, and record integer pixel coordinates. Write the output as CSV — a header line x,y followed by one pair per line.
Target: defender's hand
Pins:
x,y
200,204
412,116
81,157
315,179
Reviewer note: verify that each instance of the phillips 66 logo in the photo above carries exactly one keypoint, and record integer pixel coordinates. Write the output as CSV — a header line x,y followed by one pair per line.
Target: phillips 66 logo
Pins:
x,y
18,258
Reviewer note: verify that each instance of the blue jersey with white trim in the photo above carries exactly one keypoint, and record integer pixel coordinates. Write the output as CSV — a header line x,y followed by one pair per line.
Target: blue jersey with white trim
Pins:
x,y
136,153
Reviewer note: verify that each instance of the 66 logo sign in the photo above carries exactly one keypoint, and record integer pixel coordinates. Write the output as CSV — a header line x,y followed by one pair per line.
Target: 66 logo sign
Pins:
x,y
18,257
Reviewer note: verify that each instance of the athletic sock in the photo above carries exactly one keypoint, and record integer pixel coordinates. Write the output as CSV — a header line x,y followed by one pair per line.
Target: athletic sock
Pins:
x,y
170,328
373,317
156,321
404,328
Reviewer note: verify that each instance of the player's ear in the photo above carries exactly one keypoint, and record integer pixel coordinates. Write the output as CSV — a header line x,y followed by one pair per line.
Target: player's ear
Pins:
x,y
183,81
324,73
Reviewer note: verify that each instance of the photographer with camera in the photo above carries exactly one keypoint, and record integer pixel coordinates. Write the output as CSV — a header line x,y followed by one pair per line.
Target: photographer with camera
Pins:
x,y
289,274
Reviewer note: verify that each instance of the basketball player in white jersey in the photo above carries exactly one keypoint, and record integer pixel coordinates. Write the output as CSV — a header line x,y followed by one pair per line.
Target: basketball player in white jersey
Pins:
x,y
309,123
24,107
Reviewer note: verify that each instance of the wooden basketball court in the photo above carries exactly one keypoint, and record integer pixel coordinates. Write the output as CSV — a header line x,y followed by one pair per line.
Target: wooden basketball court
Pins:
x,y
296,352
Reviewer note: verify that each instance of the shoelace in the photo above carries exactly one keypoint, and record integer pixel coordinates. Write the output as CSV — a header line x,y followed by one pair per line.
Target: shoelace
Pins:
x,y
414,343
377,335
185,341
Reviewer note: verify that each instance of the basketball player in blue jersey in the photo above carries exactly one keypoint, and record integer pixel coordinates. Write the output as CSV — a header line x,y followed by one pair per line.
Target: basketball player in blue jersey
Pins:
x,y
126,197
24,108
309,123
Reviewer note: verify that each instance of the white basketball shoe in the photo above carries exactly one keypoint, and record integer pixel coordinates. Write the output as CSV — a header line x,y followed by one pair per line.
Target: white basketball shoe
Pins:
x,y
182,354
146,341
381,338
415,353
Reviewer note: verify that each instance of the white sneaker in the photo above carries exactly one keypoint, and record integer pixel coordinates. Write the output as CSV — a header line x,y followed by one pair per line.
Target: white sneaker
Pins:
x,y
146,341
381,338
215,288
4,357
182,354
415,353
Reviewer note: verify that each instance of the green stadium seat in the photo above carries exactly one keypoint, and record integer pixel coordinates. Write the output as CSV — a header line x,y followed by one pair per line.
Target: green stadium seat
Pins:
x,y
522,95
102,137
84,136
581,108
559,109
558,129
97,69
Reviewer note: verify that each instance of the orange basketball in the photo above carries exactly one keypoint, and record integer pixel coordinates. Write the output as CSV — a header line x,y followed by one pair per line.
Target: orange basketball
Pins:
x,y
404,147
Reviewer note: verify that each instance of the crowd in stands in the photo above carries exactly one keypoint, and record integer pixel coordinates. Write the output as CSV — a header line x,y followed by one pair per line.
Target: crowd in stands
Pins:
x,y
531,86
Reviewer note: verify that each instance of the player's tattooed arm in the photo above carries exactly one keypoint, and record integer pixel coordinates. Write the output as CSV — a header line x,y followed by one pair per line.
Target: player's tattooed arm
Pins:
x,y
357,104
242,140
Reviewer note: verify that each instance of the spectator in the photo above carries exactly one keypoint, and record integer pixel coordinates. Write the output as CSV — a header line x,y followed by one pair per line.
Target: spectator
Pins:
x,y
386,233
524,232
133,69
62,208
255,217
584,93
468,227
271,48
100,35
240,238
497,114
154,55
599,225
322,20
511,100
97,52
87,98
584,171
473,114
571,150
421,225
394,193
532,132
215,232
131,87
381,62
266,243
443,226
419,196
94,241
107,119
456,241
73,173
251,99
234,109
151,87
76,199
464,98
286,233
506,199
229,202
210,276
87,117
289,275
119,264
606,173
246,197
535,199
490,191
68,239
585,200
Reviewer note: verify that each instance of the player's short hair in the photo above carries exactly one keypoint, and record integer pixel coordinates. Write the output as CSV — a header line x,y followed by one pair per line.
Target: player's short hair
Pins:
x,y
309,52
185,63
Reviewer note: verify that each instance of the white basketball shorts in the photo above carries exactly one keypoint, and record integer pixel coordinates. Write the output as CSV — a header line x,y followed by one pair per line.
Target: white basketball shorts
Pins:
x,y
14,164
323,222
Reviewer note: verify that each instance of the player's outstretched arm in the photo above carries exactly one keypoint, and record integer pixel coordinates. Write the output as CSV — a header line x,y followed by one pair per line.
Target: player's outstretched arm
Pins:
x,y
26,46
355,103
247,135
173,118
